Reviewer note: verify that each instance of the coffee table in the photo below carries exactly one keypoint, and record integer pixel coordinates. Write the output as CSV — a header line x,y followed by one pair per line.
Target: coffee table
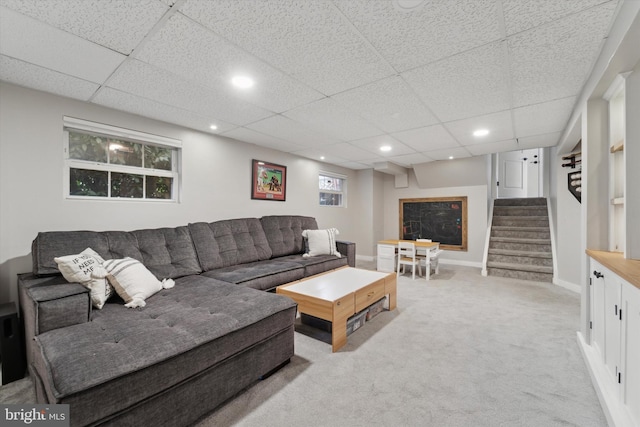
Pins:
x,y
338,294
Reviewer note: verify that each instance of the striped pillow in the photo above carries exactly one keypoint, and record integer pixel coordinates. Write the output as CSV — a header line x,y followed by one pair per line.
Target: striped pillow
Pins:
x,y
321,242
132,281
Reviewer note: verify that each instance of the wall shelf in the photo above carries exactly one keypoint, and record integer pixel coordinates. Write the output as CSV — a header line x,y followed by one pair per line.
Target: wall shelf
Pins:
x,y
617,201
619,146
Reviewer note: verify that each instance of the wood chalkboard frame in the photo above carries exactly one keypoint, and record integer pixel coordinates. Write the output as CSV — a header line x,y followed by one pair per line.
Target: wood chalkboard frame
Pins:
x,y
428,216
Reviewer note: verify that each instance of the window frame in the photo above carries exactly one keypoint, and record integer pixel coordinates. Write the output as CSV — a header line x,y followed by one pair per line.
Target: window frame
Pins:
x,y
343,193
145,139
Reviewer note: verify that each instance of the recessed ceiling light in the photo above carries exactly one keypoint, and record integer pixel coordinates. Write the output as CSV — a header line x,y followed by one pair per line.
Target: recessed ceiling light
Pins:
x,y
385,148
480,132
450,157
243,82
321,157
213,127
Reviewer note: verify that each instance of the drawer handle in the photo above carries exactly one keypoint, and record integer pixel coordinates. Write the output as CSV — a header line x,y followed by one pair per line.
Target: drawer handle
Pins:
x,y
370,294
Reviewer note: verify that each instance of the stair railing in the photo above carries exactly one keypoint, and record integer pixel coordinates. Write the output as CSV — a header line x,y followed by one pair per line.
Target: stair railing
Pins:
x,y
552,234
487,239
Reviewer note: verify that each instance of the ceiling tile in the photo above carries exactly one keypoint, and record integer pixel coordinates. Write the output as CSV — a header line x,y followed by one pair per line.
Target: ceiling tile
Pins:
x,y
327,116
167,113
355,165
520,15
389,103
187,49
468,84
499,125
456,153
284,128
257,138
32,41
427,138
308,40
319,155
552,61
161,86
538,141
493,147
433,32
545,117
29,75
349,151
117,25
409,160
373,144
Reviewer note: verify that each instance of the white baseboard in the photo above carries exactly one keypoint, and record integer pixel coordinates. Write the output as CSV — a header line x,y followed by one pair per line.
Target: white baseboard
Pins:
x,y
567,285
613,409
365,258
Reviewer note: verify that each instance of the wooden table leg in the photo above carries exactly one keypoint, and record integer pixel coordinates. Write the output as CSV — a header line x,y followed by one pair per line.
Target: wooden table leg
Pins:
x,y
390,287
342,309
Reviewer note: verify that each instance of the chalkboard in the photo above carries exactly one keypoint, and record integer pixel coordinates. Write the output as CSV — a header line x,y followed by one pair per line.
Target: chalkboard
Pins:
x,y
441,219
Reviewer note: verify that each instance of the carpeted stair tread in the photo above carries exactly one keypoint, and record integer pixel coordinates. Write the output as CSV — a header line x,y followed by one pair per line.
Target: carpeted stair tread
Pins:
x,y
522,218
514,228
521,267
521,240
537,201
493,251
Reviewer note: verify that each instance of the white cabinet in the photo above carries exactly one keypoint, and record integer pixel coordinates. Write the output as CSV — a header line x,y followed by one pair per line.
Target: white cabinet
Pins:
x,y
386,258
615,342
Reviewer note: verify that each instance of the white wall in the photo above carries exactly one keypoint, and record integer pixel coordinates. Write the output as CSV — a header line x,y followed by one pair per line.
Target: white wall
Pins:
x,y
216,181
476,214
568,225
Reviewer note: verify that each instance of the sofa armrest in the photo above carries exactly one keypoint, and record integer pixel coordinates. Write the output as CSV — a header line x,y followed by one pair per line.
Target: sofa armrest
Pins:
x,y
347,249
48,303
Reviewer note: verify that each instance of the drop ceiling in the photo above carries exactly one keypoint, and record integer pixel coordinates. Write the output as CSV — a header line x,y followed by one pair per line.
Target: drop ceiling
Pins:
x,y
334,80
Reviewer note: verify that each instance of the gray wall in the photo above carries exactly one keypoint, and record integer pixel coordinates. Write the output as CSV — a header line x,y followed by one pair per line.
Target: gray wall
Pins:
x,y
216,181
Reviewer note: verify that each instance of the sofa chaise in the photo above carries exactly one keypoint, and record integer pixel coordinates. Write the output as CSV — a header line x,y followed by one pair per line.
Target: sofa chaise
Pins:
x,y
192,347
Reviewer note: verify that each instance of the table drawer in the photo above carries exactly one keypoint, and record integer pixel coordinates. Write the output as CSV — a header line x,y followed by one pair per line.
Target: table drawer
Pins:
x,y
386,251
369,294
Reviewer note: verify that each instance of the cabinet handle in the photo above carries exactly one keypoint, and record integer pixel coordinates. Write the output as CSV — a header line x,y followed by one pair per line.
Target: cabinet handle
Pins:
x,y
597,274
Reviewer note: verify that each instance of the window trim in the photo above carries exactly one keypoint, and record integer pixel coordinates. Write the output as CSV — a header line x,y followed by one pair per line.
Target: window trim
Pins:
x,y
72,123
344,179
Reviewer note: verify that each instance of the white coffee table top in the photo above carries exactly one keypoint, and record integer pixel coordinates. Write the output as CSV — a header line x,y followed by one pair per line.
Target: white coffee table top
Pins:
x,y
336,284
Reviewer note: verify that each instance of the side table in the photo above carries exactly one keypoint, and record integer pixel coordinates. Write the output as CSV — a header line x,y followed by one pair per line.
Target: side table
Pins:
x,y
11,344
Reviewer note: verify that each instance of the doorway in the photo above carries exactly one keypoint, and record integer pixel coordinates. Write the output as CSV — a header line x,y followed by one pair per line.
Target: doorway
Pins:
x,y
518,174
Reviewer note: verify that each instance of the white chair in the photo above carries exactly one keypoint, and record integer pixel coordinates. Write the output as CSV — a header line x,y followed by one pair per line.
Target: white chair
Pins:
x,y
431,260
407,256
422,252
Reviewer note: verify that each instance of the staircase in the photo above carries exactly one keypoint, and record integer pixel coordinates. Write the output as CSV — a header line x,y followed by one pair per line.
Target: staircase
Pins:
x,y
520,242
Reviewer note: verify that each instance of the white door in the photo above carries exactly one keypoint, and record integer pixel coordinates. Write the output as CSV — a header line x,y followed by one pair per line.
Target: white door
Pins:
x,y
518,173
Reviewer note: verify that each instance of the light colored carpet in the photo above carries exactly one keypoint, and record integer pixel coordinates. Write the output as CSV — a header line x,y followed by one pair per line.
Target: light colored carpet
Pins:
x,y
460,350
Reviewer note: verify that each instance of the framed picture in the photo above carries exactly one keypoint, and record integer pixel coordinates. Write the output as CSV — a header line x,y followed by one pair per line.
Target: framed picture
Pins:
x,y
269,181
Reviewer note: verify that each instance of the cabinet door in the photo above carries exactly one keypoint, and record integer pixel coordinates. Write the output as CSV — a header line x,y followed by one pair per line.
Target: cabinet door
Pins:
x,y
612,323
597,307
630,383
386,258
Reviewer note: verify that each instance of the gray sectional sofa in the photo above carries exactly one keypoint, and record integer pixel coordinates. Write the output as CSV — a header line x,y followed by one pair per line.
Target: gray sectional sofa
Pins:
x,y
191,347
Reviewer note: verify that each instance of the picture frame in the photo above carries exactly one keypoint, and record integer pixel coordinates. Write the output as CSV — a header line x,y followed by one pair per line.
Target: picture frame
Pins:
x,y
269,181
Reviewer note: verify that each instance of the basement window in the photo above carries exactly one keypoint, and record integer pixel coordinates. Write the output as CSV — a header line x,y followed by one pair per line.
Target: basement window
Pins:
x,y
333,189
105,162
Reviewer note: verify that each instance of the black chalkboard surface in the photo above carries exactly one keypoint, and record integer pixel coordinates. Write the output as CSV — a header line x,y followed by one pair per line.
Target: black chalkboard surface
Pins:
x,y
441,219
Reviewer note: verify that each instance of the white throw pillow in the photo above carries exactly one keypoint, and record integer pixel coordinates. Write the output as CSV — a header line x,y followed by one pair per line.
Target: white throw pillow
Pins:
x,y
86,268
321,242
133,282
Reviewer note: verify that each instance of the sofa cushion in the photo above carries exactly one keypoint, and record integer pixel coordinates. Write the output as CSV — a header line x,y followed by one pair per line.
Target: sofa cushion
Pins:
x,y
166,252
229,242
284,233
151,349
50,244
317,264
263,275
